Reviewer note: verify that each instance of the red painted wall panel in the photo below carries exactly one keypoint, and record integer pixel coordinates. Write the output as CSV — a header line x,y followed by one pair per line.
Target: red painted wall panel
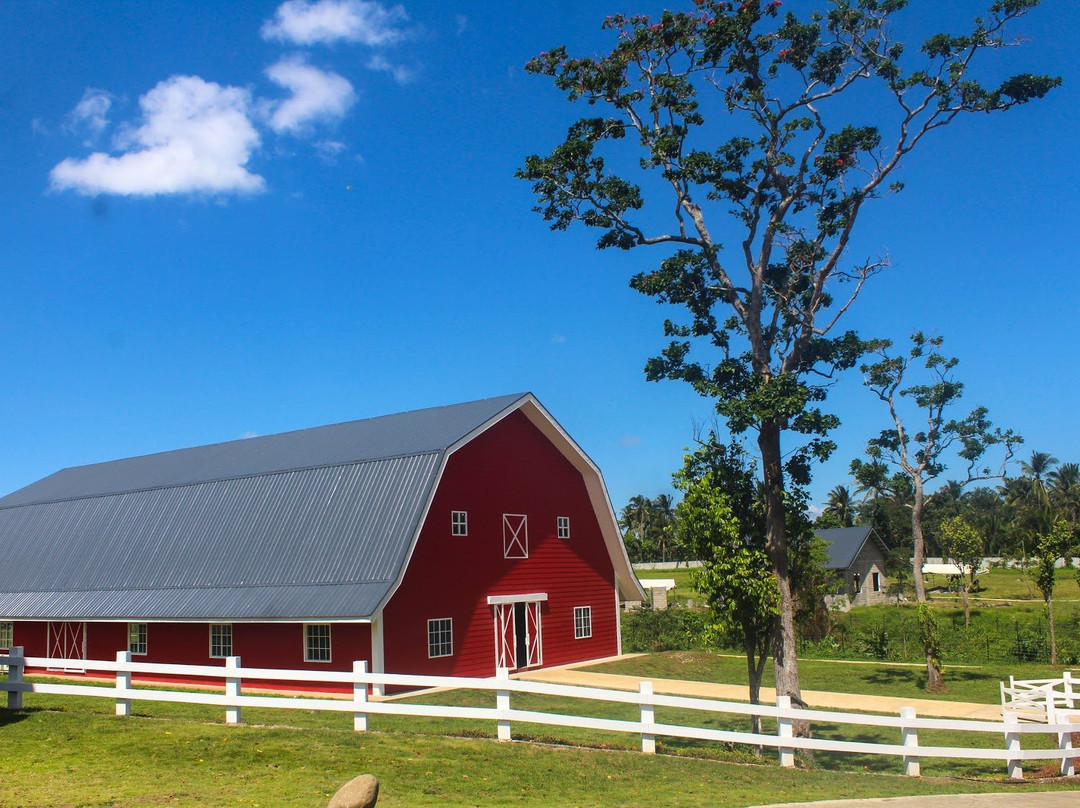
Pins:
x,y
512,468
259,645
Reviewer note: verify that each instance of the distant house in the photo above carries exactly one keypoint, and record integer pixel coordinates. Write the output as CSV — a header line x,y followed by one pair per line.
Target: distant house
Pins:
x,y
857,555
453,540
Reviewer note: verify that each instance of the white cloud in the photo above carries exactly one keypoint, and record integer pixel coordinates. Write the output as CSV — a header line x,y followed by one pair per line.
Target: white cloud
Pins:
x,y
195,137
90,116
401,74
462,23
317,95
329,150
325,21
630,440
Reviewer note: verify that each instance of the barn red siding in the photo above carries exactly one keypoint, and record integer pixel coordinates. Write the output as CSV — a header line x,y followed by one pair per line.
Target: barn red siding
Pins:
x,y
259,645
512,468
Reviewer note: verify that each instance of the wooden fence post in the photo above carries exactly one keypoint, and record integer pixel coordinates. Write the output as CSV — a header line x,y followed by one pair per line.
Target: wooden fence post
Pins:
x,y
359,694
1012,745
648,718
910,739
502,705
16,668
1064,742
123,682
1067,686
232,691
783,730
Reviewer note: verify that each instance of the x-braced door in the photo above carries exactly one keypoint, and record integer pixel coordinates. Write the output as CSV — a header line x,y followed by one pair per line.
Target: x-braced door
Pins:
x,y
67,641
518,635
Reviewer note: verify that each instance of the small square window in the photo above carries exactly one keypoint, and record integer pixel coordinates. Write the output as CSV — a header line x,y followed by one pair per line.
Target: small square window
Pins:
x,y
563,527
220,640
137,638
582,622
317,642
7,635
459,523
440,637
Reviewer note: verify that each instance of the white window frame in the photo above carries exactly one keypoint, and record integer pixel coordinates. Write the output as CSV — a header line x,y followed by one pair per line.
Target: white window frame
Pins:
x,y
582,622
137,639
223,630
440,637
7,634
875,578
515,535
562,527
459,523
313,642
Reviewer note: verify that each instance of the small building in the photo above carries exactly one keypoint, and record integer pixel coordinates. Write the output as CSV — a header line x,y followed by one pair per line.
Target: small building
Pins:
x,y
453,541
857,556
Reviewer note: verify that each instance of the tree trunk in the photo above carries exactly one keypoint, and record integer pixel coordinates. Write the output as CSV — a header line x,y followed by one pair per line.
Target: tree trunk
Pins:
x,y
919,556
754,671
1053,636
784,655
933,675
967,604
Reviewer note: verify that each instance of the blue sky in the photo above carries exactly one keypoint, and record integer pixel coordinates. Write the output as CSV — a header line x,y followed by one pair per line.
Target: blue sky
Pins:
x,y
228,219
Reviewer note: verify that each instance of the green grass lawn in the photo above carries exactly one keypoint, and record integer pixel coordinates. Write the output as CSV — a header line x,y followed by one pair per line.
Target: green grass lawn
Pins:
x,y
81,755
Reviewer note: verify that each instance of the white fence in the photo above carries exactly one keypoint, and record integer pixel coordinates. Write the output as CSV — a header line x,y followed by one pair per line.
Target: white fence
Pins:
x,y
1039,699
907,725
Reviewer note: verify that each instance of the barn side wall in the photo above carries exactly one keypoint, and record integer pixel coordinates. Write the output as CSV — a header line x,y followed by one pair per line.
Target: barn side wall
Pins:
x,y
259,645
509,469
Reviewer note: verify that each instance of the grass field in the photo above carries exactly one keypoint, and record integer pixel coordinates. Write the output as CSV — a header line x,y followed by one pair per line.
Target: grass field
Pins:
x,y
80,755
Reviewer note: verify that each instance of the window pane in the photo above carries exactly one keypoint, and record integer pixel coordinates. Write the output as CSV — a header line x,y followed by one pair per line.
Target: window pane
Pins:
x,y
7,634
459,523
440,637
582,622
317,643
137,638
221,640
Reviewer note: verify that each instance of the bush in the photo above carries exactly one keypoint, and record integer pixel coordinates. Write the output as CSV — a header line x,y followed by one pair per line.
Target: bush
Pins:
x,y
648,631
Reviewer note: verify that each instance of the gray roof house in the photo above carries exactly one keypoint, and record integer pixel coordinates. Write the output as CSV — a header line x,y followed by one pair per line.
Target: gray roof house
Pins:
x,y
857,555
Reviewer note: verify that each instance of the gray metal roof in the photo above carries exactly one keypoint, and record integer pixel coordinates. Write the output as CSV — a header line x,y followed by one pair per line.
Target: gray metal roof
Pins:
x,y
313,523
844,544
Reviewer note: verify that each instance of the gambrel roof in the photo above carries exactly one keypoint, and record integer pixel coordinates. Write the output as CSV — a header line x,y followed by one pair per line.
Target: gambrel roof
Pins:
x,y
313,524
845,543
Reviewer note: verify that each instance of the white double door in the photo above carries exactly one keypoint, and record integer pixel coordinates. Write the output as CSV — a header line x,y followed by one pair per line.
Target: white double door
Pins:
x,y
518,635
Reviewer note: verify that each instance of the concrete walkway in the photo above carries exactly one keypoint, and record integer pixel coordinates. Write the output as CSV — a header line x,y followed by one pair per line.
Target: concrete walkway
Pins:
x,y
928,708
1024,799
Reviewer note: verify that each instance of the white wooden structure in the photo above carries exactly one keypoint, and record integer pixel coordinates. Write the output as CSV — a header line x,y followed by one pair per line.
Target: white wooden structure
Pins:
x,y
233,700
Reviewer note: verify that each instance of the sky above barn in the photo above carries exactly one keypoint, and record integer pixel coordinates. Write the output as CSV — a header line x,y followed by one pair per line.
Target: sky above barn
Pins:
x,y
233,219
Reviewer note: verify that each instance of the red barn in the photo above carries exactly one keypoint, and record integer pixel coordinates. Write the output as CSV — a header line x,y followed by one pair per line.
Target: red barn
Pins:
x,y
451,541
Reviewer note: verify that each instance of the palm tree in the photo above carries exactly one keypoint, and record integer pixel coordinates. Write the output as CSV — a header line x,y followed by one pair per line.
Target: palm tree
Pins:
x,y
1036,470
841,505
1065,491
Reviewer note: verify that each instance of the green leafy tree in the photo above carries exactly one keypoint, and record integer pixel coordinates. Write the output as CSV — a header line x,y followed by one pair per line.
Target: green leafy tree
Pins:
x,y
841,506
734,579
777,177
964,546
921,455
1051,546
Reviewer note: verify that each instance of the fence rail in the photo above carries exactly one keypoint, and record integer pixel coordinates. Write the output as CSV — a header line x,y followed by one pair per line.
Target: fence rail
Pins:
x,y
234,700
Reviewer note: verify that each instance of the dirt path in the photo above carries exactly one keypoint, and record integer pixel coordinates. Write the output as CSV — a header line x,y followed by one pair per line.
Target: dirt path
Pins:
x,y
930,708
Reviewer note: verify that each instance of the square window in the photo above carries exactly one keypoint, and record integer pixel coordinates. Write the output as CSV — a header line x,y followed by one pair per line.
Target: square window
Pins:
x,y
220,640
582,622
317,642
459,523
515,535
440,637
7,634
563,527
137,638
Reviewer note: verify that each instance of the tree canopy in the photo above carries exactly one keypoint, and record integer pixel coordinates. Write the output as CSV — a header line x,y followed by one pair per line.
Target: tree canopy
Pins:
x,y
727,119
